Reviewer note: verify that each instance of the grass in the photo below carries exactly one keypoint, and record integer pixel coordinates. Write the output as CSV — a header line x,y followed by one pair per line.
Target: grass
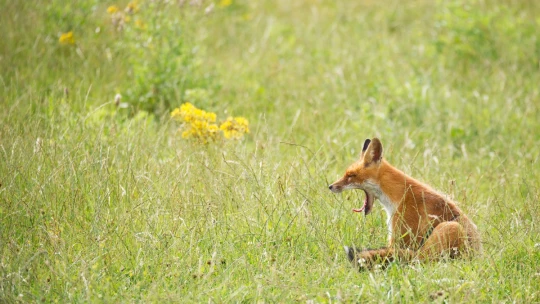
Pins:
x,y
100,203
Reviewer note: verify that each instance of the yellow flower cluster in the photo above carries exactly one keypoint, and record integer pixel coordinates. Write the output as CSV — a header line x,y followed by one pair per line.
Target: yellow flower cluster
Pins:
x,y
234,127
140,24
67,38
119,18
225,3
132,7
190,113
201,125
113,9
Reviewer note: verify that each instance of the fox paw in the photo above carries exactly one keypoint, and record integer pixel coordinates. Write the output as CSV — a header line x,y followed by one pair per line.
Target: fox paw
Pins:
x,y
365,259
351,253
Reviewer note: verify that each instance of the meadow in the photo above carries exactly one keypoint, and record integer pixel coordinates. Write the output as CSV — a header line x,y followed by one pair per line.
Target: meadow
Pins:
x,y
105,198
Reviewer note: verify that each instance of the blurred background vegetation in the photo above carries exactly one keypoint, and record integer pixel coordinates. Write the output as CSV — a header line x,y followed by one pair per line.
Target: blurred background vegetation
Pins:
x,y
101,199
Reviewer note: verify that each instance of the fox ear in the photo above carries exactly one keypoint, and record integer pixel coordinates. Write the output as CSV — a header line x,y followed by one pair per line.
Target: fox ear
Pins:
x,y
366,144
374,152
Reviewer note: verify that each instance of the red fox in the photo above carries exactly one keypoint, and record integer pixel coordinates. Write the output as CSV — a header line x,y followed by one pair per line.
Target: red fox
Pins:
x,y
422,223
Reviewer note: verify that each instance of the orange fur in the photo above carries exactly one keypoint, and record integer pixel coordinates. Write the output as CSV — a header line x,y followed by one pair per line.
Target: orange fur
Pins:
x,y
424,224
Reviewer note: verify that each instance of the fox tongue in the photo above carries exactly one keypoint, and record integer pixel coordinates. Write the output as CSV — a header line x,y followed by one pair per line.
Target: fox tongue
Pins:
x,y
368,203
359,209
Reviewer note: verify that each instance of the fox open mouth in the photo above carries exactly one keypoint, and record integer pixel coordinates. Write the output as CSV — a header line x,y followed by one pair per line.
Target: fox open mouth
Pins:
x,y
368,203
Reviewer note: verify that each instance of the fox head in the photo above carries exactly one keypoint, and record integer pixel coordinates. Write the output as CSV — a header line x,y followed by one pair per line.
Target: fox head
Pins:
x,y
363,174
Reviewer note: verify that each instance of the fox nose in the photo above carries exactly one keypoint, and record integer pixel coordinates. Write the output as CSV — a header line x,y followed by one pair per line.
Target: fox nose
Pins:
x,y
330,187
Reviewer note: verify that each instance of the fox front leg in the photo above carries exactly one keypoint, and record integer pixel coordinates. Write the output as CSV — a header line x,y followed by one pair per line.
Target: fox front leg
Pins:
x,y
368,259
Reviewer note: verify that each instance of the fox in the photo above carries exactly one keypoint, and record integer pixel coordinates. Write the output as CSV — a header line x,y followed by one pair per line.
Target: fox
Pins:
x,y
423,224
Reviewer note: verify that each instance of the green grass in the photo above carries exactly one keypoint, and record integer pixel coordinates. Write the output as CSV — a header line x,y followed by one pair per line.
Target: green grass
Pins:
x,y
99,203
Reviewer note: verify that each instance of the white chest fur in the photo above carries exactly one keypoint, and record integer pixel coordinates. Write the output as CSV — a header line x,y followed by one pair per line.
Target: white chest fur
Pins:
x,y
389,206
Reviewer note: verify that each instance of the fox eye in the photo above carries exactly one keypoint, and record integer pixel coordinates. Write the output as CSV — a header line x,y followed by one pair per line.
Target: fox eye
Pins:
x,y
349,175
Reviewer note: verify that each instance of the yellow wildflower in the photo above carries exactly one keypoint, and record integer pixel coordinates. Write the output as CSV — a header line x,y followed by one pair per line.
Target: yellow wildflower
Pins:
x,y
67,38
132,7
112,9
187,133
201,130
234,127
199,124
139,24
225,3
189,113
176,113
